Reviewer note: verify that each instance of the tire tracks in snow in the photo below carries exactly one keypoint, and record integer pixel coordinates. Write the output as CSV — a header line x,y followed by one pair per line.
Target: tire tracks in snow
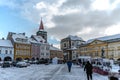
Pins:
x,y
56,72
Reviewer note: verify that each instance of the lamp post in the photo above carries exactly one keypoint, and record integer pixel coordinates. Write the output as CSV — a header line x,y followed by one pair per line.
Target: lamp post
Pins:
x,y
119,66
65,57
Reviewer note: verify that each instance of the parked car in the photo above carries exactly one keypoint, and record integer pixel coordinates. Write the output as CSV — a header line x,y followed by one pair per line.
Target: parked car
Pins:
x,y
14,63
5,64
22,64
1,62
33,62
41,61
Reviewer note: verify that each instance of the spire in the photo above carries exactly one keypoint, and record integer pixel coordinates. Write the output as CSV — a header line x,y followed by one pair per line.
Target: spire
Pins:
x,y
41,27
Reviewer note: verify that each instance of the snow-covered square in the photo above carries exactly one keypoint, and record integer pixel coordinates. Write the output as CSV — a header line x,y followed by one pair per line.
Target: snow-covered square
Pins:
x,y
47,72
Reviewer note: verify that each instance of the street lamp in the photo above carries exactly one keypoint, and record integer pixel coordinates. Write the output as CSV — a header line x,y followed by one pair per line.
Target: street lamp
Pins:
x,y
119,66
65,56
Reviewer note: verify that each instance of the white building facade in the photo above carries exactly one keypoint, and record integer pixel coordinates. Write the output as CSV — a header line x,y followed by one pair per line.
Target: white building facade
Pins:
x,y
6,50
45,50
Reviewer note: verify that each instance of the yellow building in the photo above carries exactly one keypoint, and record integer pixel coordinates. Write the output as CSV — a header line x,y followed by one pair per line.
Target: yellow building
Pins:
x,y
114,50
22,47
108,47
94,49
22,51
55,52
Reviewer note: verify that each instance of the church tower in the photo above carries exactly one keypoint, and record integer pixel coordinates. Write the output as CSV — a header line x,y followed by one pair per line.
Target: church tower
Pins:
x,y
41,31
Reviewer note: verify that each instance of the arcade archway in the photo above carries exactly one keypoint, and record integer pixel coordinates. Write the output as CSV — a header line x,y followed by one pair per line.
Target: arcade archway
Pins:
x,y
7,58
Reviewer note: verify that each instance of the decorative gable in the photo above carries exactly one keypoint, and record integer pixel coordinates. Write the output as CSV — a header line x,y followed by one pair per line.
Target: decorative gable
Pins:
x,y
97,42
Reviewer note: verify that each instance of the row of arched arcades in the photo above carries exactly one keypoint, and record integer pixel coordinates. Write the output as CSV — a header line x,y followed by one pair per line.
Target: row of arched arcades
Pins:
x,y
6,59
17,59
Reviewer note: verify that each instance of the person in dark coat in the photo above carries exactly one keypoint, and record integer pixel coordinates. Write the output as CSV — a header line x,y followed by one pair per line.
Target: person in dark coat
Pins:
x,y
88,68
69,64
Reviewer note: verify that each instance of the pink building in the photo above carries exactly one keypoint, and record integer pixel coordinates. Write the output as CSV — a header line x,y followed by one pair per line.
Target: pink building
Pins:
x,y
35,49
39,46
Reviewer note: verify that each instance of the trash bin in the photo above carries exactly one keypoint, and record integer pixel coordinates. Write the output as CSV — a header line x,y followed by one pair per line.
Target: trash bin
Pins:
x,y
113,78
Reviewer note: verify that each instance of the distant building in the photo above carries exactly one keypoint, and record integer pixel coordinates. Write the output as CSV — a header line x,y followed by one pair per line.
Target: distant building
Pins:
x,y
22,47
69,46
103,47
55,52
6,50
95,49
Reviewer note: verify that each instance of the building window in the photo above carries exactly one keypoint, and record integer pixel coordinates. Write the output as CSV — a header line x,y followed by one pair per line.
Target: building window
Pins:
x,y
73,56
47,53
47,48
6,52
91,54
72,43
10,51
64,44
51,53
42,48
95,42
42,53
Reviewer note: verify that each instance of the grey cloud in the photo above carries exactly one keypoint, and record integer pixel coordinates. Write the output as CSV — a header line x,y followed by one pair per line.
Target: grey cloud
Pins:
x,y
95,33
72,23
75,22
77,3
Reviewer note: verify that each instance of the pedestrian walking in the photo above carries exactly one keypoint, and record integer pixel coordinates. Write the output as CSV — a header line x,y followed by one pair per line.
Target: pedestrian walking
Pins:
x,y
69,64
88,68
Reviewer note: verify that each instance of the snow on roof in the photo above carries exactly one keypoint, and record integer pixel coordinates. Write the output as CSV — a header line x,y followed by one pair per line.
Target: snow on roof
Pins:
x,y
20,38
54,48
105,38
39,38
74,37
5,43
32,40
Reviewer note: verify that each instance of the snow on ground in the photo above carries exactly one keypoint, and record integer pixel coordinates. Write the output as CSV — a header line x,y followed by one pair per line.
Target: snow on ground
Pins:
x,y
46,72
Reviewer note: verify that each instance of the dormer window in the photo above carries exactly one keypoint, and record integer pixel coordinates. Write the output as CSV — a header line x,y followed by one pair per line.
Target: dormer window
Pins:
x,y
17,39
21,40
95,42
24,40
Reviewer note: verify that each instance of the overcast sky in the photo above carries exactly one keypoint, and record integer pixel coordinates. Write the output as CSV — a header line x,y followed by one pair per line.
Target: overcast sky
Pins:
x,y
85,18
